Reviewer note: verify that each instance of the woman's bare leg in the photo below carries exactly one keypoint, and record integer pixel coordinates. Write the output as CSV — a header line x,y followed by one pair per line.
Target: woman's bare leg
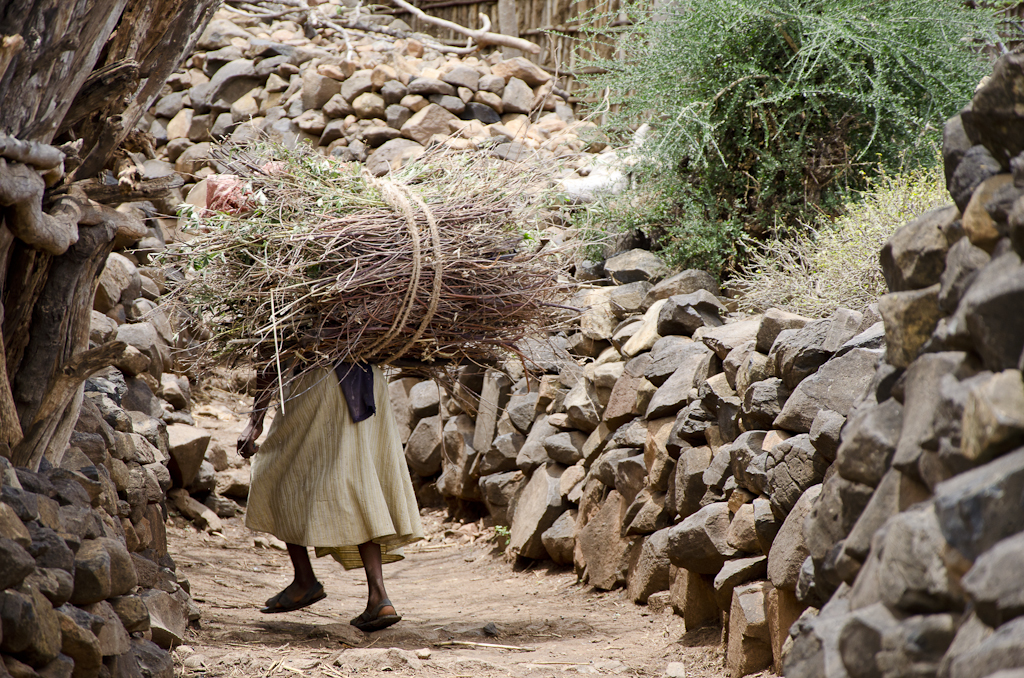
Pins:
x,y
372,563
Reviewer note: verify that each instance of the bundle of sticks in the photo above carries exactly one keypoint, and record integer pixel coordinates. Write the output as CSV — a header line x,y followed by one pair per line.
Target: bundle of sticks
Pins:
x,y
316,261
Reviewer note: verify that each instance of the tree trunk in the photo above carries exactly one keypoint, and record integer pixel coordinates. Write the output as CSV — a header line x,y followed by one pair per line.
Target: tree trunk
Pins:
x,y
50,93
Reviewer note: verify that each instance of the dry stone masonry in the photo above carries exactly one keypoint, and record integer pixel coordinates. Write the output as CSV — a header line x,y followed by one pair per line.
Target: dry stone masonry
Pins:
x,y
845,495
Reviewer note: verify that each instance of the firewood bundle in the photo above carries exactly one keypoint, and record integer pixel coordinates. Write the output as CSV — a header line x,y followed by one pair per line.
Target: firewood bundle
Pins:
x,y
314,260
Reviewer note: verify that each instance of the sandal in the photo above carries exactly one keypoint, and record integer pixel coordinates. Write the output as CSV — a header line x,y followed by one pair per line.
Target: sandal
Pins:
x,y
369,622
276,604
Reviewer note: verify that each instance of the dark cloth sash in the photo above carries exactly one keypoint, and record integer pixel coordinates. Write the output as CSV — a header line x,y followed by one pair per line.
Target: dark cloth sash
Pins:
x,y
356,383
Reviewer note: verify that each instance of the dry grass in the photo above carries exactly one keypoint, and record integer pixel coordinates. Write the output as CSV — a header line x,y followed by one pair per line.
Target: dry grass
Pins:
x,y
835,264
321,264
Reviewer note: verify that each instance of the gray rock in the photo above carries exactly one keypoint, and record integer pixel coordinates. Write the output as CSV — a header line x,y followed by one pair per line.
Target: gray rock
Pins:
x,y
748,649
669,355
835,386
922,396
537,507
915,646
393,92
226,86
912,573
683,314
763,402
650,573
560,539
602,547
463,76
915,255
532,454
896,492
699,542
15,563
910,318
685,282
498,491
566,447
720,469
993,416
824,434
630,476
773,322
833,515
995,583
522,408
583,406
797,354
1004,649
872,337
870,442
187,446
517,97
789,548
452,104
647,514
689,479
735,573
423,451
635,265
622,401
993,116
502,454
792,467
459,477
482,112
976,166
427,86
732,362
979,508
152,661
427,122
997,336
963,262
358,83
397,115
392,155
492,83
860,640
722,340
742,452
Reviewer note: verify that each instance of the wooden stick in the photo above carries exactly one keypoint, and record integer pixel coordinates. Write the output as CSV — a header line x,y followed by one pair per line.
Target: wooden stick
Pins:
x,y
481,36
469,643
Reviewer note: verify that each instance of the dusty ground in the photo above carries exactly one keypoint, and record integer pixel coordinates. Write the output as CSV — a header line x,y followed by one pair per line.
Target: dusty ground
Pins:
x,y
457,593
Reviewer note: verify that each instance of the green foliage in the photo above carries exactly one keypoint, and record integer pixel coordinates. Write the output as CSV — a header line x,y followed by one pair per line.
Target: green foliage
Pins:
x,y
834,262
673,214
772,111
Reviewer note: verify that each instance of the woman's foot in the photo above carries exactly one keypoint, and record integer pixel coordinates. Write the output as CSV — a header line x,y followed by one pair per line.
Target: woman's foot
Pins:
x,y
380,617
294,597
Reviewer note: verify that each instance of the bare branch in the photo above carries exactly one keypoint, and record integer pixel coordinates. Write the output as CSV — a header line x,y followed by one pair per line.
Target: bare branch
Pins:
x,y
482,36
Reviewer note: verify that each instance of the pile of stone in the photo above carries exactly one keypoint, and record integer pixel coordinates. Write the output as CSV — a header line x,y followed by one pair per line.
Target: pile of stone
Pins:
x,y
355,97
844,494
674,461
916,541
87,586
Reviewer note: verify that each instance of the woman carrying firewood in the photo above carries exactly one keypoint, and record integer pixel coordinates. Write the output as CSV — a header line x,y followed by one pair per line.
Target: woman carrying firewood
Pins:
x,y
332,475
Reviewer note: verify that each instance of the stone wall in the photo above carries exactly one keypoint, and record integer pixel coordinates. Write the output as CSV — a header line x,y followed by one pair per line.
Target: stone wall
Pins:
x,y
844,494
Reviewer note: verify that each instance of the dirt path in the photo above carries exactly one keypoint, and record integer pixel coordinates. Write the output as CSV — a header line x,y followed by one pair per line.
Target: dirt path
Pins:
x,y
455,586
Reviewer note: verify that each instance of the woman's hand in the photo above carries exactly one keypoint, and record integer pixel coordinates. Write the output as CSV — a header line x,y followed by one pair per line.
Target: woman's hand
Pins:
x,y
247,440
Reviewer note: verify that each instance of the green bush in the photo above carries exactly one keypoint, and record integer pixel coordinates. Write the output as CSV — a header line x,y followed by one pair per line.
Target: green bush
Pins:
x,y
834,262
767,112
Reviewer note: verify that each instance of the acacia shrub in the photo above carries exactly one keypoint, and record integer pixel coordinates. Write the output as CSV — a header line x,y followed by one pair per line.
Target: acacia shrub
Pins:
x,y
766,113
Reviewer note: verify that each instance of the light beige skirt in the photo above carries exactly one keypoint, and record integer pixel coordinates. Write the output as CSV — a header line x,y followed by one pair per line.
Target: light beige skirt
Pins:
x,y
321,480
